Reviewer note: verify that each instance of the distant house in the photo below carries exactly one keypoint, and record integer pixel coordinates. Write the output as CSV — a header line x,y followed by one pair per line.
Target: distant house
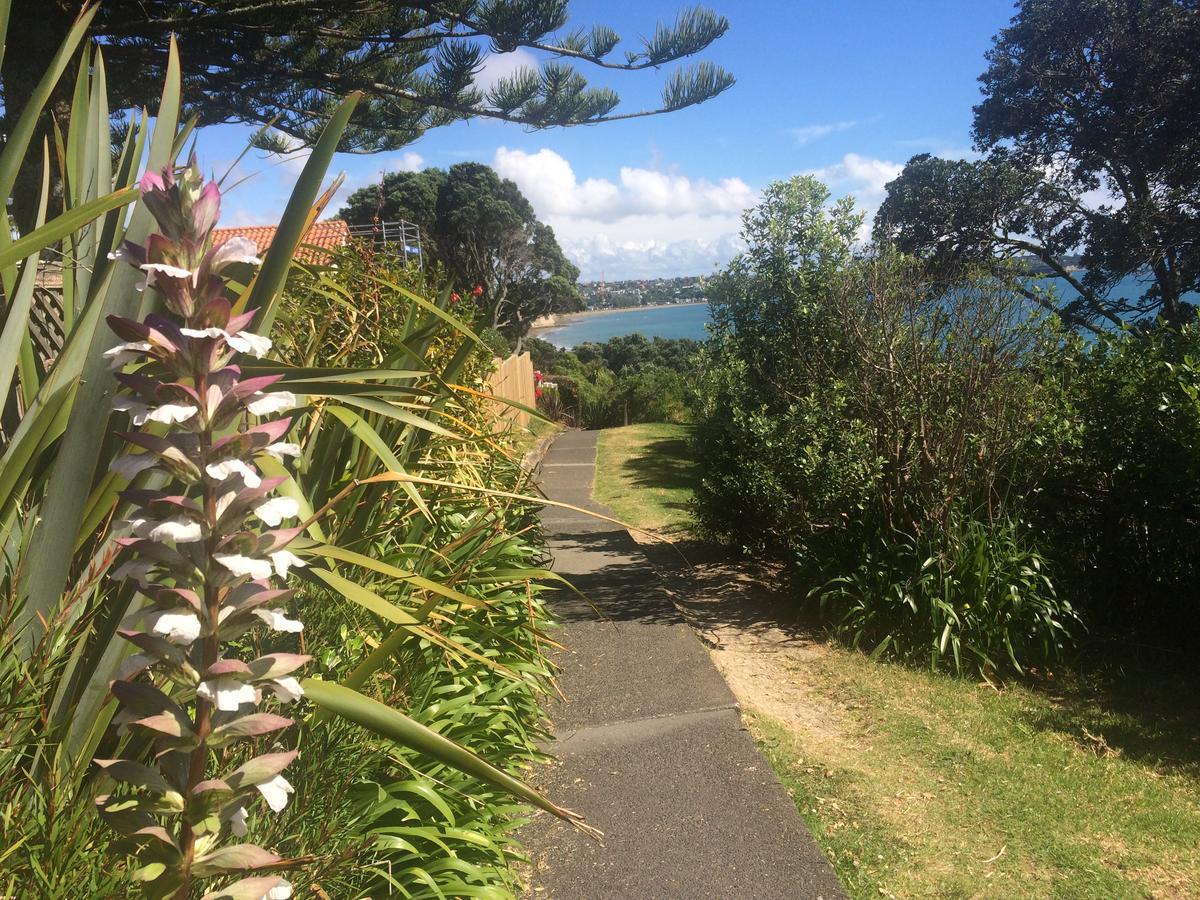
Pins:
x,y
330,235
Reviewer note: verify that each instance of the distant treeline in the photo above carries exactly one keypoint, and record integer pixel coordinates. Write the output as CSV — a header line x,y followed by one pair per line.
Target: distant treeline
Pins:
x,y
624,380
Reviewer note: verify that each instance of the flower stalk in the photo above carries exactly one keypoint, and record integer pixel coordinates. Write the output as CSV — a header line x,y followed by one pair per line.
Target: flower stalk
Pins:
x,y
203,548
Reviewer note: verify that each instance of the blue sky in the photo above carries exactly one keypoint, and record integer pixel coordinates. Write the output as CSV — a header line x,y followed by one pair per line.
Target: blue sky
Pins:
x,y
845,89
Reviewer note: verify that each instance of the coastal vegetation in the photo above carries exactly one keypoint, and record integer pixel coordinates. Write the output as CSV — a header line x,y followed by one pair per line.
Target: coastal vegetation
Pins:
x,y
950,471
915,783
1086,135
625,380
272,605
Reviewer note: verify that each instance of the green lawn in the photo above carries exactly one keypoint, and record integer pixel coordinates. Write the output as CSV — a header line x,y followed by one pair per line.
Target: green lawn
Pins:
x,y
917,784
645,475
926,785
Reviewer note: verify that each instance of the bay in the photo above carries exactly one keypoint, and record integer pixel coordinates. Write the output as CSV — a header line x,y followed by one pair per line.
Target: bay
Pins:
x,y
689,320
674,321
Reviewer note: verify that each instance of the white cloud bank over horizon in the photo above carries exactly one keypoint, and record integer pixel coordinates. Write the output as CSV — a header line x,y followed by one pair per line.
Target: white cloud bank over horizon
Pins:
x,y
645,224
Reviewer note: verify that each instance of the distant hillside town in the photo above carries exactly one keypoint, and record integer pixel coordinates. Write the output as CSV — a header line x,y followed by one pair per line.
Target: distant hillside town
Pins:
x,y
642,292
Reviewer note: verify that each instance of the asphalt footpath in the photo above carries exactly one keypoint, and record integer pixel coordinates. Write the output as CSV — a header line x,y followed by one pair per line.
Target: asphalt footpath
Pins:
x,y
649,741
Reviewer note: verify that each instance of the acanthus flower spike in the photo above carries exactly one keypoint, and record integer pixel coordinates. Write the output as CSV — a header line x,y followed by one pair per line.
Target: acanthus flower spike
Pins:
x,y
203,548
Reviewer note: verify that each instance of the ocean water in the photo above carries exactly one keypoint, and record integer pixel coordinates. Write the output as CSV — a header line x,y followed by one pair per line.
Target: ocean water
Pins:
x,y
652,321
689,321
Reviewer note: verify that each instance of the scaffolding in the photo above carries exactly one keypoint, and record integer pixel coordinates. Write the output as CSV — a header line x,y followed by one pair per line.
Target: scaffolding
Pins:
x,y
399,237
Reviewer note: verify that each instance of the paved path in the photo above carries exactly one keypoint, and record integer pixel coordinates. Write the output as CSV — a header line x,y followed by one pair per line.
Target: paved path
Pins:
x,y
650,742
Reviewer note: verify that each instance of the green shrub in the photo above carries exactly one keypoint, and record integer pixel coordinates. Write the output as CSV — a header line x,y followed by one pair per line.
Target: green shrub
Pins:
x,y
856,415
624,381
1122,505
974,596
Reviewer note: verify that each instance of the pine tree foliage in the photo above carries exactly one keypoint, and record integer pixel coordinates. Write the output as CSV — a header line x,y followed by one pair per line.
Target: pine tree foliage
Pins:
x,y
419,63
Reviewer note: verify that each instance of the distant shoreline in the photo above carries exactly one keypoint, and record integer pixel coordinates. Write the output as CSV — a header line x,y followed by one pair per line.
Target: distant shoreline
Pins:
x,y
565,319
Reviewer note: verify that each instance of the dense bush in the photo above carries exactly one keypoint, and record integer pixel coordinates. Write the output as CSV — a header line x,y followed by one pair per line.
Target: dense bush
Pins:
x,y
1122,503
866,424
626,380
971,595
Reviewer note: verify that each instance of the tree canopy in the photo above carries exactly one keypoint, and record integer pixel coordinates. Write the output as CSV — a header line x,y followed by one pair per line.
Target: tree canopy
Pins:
x,y
289,62
1090,130
485,232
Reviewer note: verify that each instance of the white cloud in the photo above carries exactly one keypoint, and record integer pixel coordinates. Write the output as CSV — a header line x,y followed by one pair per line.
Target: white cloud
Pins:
x,y
864,177
808,133
602,255
501,65
405,161
642,224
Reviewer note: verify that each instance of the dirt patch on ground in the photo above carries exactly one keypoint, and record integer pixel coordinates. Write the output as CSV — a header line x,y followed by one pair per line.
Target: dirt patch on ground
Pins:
x,y
760,644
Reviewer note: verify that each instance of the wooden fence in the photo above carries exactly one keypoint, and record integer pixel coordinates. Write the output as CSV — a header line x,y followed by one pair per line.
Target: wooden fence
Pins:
x,y
513,380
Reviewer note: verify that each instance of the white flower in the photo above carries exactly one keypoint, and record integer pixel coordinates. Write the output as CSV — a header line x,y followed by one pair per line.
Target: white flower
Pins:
x,y
265,404
242,341
140,413
281,891
275,510
278,620
248,342
237,822
123,353
136,409
235,250
166,269
129,465
171,413
227,692
138,525
213,398
135,570
257,569
179,626
223,502
229,467
286,689
276,792
211,332
284,560
282,449
181,530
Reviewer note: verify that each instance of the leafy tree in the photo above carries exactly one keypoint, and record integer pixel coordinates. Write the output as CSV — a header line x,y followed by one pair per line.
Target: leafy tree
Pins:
x,y
1079,96
633,352
485,232
290,62
412,196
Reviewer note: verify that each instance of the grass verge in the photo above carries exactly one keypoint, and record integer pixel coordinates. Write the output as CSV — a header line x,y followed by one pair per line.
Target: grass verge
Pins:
x,y
926,785
918,784
645,475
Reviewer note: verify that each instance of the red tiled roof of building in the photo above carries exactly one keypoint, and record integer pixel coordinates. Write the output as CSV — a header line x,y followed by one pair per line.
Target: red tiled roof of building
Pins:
x,y
330,234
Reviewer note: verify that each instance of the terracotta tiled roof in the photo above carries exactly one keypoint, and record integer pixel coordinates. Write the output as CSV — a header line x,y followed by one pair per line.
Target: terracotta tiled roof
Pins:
x,y
330,234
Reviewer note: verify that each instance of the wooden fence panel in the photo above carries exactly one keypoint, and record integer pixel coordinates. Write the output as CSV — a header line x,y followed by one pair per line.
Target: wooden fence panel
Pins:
x,y
513,380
